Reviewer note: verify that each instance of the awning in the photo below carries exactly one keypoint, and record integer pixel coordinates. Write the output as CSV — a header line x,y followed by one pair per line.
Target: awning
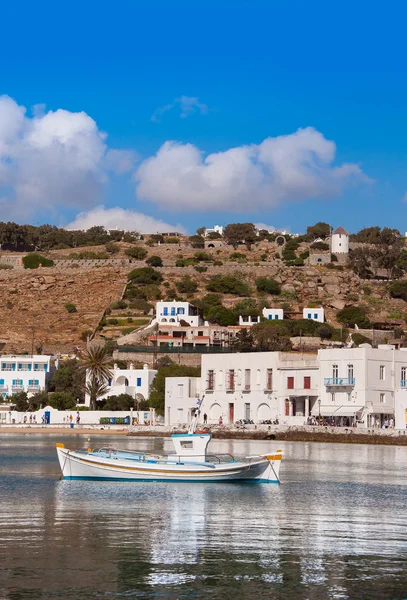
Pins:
x,y
380,410
335,411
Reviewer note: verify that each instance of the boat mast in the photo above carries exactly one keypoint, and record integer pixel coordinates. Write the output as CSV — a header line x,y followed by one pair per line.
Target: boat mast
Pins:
x,y
197,413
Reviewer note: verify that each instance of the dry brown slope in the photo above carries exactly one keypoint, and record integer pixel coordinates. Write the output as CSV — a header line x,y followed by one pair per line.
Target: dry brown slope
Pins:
x,y
32,305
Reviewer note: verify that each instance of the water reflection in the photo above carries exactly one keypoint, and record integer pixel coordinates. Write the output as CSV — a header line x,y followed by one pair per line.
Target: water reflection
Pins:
x,y
336,528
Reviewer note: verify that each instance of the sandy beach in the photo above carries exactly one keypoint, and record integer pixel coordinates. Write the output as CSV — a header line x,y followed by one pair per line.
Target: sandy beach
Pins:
x,y
44,430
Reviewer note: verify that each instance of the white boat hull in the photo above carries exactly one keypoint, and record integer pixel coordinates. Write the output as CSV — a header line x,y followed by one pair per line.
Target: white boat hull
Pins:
x,y
82,465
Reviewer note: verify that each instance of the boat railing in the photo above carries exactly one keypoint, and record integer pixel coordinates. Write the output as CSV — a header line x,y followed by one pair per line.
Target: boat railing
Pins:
x,y
220,457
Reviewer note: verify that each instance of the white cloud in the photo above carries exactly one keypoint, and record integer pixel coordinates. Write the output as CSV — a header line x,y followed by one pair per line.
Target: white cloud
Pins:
x,y
56,158
188,105
263,226
119,218
283,169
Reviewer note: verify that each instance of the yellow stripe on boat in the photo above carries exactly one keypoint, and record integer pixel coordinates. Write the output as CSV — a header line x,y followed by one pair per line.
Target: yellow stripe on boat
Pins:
x,y
274,457
60,445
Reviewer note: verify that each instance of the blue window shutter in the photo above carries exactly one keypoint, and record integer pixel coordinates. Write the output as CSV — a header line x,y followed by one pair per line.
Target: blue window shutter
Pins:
x,y
30,367
165,311
14,382
138,381
3,366
315,316
20,366
13,367
36,366
37,382
45,368
309,315
1,381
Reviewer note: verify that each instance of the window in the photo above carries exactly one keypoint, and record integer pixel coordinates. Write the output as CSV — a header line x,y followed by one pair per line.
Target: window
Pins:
x,y
307,383
211,380
269,379
309,316
333,396
8,366
109,382
403,373
290,383
173,311
23,367
382,398
17,383
335,371
200,333
247,411
258,377
180,390
276,317
221,377
382,374
349,395
315,316
165,311
231,380
33,383
138,381
1,382
350,371
181,311
247,379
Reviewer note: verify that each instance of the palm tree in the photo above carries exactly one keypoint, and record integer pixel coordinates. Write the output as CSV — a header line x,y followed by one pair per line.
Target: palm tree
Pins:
x,y
95,363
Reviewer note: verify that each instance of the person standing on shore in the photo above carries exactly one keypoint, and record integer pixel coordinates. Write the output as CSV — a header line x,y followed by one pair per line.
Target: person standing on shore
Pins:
x,y
205,418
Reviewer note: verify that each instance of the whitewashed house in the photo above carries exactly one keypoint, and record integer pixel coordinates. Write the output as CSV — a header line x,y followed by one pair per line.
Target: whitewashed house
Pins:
x,y
24,374
173,312
273,314
135,382
248,321
314,314
181,396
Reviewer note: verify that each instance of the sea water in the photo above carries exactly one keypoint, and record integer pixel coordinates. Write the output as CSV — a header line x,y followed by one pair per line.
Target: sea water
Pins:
x,y
336,528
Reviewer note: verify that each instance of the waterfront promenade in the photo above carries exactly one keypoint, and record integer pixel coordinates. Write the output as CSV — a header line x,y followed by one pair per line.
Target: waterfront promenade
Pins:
x,y
315,433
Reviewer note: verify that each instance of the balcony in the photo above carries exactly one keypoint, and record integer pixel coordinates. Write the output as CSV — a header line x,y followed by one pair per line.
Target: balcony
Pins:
x,y
17,386
33,386
338,382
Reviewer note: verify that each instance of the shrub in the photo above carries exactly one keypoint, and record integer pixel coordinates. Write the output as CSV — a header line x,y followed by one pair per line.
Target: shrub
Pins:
x,y
200,269
354,315
229,284
180,262
112,248
320,246
218,263
186,285
9,304
88,255
5,267
85,334
136,252
171,240
70,307
358,339
398,289
145,276
334,258
266,284
238,256
120,304
202,257
34,260
223,316
113,321
154,261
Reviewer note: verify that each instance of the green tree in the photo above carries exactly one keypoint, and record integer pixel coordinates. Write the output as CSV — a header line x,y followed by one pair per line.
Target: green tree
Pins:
x,y
268,285
34,260
19,400
61,401
319,230
112,248
145,276
240,233
120,402
186,285
271,336
222,316
229,284
95,363
69,378
398,289
243,342
157,388
354,315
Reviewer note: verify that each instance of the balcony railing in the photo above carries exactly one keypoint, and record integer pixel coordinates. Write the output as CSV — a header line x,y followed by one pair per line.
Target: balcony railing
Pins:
x,y
403,383
17,386
339,381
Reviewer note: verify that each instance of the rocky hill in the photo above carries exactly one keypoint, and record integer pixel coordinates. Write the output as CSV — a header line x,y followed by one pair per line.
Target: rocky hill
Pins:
x,y
36,311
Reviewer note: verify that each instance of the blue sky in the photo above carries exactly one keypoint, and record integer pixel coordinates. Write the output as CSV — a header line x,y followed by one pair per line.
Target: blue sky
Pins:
x,y
258,70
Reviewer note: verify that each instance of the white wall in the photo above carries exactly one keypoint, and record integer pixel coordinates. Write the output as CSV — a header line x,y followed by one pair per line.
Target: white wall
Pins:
x,y
129,381
314,314
339,243
177,312
60,417
181,395
273,314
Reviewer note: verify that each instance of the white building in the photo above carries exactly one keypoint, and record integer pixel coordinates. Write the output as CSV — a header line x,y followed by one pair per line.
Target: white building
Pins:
x,y
135,382
248,321
24,374
363,383
340,241
181,395
173,312
362,386
273,314
314,314
258,386
216,229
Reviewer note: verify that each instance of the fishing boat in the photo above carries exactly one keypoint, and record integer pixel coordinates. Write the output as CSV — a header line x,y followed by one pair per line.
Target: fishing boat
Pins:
x,y
189,462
